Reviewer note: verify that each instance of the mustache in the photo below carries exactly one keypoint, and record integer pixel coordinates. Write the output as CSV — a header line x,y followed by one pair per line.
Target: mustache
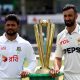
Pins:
x,y
10,30
67,20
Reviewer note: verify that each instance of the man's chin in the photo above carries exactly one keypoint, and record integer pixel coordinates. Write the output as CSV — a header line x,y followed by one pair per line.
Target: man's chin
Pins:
x,y
11,34
69,25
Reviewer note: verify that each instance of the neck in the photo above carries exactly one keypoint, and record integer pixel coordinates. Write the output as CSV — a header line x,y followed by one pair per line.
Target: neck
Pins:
x,y
11,38
71,29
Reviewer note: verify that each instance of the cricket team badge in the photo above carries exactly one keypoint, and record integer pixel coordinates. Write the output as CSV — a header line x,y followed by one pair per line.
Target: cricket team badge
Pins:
x,y
78,41
18,50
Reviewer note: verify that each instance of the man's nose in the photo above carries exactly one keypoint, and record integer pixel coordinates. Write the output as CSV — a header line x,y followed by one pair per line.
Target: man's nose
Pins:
x,y
9,26
67,18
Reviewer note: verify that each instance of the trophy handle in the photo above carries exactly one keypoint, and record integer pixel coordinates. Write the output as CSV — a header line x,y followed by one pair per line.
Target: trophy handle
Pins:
x,y
39,43
50,36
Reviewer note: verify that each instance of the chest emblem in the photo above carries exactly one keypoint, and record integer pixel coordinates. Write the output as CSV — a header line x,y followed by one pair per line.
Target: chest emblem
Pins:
x,y
65,41
18,49
78,41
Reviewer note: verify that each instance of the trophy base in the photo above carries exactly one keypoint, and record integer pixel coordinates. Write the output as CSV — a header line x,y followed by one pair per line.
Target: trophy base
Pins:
x,y
42,71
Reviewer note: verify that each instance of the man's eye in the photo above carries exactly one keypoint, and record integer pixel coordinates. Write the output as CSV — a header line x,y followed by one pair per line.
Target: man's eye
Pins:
x,y
8,25
69,15
12,24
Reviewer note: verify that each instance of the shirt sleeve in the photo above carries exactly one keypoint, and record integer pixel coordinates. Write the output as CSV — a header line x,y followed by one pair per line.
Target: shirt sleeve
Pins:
x,y
31,58
58,51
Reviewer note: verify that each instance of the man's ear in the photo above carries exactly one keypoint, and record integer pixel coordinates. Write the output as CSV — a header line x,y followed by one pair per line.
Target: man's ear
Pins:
x,y
19,26
76,16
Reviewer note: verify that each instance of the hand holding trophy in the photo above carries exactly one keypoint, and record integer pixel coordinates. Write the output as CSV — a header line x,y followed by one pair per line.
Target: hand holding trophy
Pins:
x,y
44,50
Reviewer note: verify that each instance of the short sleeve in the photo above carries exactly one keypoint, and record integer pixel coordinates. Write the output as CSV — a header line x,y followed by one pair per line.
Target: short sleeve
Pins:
x,y
58,51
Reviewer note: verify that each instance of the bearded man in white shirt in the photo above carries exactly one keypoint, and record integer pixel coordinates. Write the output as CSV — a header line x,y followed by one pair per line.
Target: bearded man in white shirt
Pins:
x,y
14,50
68,44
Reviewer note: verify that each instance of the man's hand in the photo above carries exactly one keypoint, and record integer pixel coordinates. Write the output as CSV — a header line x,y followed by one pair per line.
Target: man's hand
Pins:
x,y
57,66
23,74
54,72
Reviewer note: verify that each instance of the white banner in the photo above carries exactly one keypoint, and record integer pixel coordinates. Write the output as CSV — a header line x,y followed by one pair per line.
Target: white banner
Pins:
x,y
57,18
32,19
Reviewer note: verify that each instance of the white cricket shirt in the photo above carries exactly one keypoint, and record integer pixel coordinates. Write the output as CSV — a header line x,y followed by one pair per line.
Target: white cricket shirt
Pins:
x,y
12,56
69,46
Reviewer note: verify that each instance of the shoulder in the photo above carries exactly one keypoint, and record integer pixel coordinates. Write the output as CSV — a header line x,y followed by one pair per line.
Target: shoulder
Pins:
x,y
61,34
2,38
78,28
23,41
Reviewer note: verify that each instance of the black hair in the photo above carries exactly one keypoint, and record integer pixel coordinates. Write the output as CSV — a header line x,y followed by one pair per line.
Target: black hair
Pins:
x,y
69,6
12,17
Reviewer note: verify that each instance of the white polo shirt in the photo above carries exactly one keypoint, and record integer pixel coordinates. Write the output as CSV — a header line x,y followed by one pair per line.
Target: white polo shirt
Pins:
x,y
69,46
12,56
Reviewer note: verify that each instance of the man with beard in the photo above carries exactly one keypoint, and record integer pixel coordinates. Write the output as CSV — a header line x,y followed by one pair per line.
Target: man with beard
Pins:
x,y
68,45
14,50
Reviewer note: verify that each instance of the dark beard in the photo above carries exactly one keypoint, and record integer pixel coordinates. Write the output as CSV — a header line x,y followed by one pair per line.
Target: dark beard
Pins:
x,y
70,24
11,34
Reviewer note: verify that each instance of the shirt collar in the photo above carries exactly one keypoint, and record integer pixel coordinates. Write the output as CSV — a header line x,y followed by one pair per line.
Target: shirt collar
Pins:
x,y
75,31
5,39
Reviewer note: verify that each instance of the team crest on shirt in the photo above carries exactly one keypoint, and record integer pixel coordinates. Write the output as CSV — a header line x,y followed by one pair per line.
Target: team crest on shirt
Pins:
x,y
2,48
18,49
78,41
64,41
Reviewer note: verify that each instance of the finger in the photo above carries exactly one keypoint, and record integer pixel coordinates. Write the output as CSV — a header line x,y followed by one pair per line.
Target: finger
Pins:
x,y
23,74
56,71
52,73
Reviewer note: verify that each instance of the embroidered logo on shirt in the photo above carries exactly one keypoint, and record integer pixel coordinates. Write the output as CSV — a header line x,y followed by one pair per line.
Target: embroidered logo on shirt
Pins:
x,y
13,58
4,58
72,50
78,41
2,48
64,41
18,49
